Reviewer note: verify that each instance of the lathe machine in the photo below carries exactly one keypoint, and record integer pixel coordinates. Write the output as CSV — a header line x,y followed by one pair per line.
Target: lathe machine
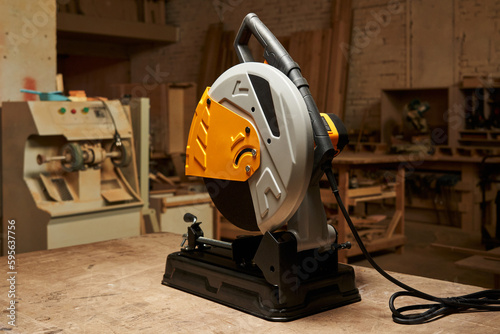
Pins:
x,y
67,173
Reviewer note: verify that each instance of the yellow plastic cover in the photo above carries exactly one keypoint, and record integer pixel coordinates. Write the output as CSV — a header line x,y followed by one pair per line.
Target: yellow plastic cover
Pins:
x,y
221,144
333,132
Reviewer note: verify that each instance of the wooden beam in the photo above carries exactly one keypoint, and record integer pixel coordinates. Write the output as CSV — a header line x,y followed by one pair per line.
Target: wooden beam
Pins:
x,y
383,195
208,70
165,179
393,224
339,62
129,31
364,191
166,204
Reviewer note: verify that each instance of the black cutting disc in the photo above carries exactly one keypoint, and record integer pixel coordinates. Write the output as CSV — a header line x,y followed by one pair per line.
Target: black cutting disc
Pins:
x,y
234,202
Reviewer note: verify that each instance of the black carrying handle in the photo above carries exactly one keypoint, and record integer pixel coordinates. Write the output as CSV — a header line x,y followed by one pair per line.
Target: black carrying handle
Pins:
x,y
274,53
277,56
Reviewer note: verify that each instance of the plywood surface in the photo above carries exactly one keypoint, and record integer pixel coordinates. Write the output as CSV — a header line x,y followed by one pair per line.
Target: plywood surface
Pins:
x,y
114,287
27,48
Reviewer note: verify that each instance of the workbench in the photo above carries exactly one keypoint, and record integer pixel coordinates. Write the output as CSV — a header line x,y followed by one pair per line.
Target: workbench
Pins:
x,y
394,235
402,165
469,168
115,287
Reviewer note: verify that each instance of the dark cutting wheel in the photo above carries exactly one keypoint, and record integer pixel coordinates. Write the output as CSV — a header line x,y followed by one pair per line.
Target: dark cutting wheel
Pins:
x,y
234,201
274,106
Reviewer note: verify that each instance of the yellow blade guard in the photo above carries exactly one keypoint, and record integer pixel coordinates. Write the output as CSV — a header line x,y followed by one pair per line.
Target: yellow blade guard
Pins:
x,y
221,144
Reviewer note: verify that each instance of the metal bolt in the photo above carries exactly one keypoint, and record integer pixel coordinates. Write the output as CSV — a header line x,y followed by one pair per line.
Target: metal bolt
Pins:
x,y
247,168
208,102
247,129
184,239
254,152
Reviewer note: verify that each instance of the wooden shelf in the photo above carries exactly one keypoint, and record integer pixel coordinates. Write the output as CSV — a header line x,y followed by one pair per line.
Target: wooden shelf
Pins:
x,y
480,131
394,233
355,200
483,138
394,100
101,29
481,142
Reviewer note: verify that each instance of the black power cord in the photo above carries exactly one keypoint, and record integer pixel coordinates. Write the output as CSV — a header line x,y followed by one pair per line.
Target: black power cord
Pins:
x,y
117,137
487,300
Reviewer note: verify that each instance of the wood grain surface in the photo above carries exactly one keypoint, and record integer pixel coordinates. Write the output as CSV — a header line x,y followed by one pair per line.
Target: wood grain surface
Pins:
x,y
115,287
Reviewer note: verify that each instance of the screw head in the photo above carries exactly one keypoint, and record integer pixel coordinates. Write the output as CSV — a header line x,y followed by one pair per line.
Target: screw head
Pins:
x,y
209,101
247,129
247,168
254,152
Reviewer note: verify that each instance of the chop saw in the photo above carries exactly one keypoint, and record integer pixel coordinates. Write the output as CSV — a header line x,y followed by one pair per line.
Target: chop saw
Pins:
x,y
261,146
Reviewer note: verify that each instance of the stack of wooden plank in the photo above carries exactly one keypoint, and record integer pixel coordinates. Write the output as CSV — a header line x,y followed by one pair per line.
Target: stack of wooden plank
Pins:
x,y
311,50
339,57
321,54
218,55
161,184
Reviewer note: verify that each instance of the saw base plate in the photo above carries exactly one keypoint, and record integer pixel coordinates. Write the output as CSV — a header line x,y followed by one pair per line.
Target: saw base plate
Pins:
x,y
214,275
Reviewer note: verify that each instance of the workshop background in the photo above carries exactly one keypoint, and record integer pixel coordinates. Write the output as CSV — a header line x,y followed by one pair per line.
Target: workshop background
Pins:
x,y
368,61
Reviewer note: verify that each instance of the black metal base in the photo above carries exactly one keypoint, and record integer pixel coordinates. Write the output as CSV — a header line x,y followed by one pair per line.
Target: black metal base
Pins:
x,y
306,288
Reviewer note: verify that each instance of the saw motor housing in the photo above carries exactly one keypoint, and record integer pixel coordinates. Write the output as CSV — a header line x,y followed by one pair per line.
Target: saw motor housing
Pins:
x,y
251,140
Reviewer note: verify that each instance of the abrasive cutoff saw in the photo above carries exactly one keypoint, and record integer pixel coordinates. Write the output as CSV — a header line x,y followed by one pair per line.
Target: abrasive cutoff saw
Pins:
x,y
261,146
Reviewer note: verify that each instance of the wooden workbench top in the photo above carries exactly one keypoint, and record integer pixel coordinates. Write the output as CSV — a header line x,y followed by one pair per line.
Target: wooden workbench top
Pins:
x,y
368,158
114,287
346,158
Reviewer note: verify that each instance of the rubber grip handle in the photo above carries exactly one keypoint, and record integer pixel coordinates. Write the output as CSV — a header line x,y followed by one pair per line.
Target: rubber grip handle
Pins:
x,y
277,56
274,53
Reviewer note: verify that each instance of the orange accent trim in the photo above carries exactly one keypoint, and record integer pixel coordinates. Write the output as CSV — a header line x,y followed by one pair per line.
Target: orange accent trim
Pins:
x,y
217,139
333,133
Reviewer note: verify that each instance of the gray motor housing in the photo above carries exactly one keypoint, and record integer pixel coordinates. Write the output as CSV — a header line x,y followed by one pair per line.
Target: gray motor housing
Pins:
x,y
270,101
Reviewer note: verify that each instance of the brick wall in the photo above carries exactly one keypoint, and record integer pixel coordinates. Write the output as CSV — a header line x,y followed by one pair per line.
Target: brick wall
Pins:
x,y
394,44
478,37
423,43
378,59
182,59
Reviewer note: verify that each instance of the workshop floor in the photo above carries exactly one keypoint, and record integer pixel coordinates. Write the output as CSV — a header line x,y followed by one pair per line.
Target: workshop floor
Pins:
x,y
421,259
